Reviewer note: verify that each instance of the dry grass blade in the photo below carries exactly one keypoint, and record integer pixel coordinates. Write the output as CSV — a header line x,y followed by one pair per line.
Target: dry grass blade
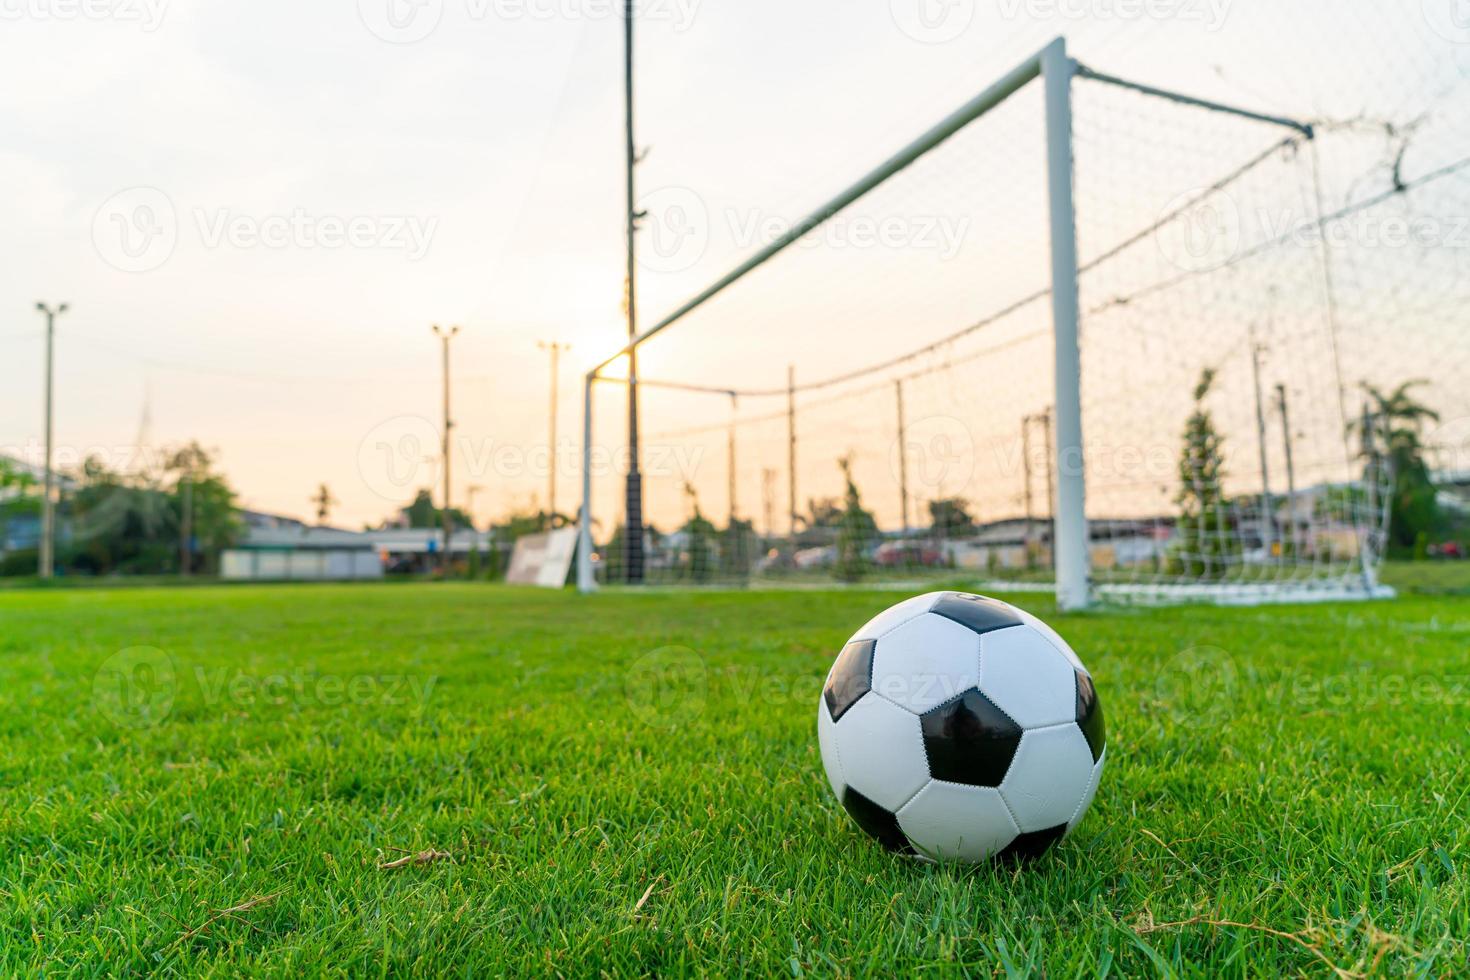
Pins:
x,y
413,859
1147,925
232,912
646,893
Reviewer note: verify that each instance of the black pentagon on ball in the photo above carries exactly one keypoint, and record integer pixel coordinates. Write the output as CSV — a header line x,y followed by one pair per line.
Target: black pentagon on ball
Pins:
x,y
877,821
1029,847
977,612
969,740
851,677
1090,716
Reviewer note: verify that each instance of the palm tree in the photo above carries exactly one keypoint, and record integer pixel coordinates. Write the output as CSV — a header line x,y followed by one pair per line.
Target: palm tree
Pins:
x,y
1399,418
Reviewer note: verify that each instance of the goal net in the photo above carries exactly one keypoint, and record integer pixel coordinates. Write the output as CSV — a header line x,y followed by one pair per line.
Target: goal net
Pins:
x,y
888,390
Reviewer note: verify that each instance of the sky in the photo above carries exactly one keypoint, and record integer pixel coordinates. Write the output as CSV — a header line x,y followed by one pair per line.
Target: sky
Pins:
x,y
257,211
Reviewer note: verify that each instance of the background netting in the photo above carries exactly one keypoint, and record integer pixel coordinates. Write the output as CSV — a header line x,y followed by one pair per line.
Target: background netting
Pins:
x,y
1290,268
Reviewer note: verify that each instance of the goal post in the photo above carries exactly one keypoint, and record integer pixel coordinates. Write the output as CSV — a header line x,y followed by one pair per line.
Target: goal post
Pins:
x,y
1085,191
1074,585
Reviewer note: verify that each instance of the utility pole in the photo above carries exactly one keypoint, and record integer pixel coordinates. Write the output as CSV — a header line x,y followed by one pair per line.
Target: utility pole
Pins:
x,y
556,351
768,500
445,336
1026,475
48,505
1268,520
633,536
903,460
1290,465
791,449
734,412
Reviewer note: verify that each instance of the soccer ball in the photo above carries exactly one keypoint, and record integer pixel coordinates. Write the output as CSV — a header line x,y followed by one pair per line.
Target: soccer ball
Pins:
x,y
959,728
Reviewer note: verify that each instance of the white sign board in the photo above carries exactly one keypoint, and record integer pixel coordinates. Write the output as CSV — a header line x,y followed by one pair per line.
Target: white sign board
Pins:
x,y
543,559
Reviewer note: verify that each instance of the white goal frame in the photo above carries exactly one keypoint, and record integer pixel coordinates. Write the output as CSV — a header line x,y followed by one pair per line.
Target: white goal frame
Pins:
x,y
1055,69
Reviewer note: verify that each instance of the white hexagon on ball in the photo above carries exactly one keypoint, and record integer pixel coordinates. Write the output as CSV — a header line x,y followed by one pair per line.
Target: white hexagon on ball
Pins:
x,y
925,662
882,752
949,822
895,616
1027,677
1048,777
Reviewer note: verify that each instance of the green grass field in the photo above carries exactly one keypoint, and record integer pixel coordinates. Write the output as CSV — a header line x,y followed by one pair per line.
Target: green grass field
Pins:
x,y
630,784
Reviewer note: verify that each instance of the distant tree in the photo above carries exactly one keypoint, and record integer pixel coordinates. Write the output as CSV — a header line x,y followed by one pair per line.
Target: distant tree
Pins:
x,y
18,504
700,534
1399,420
823,513
422,513
1204,544
738,544
324,503
951,518
136,524
856,530
204,506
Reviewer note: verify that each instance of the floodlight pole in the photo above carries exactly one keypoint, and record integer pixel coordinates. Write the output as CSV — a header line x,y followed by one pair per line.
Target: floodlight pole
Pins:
x,y
47,552
1070,548
633,529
